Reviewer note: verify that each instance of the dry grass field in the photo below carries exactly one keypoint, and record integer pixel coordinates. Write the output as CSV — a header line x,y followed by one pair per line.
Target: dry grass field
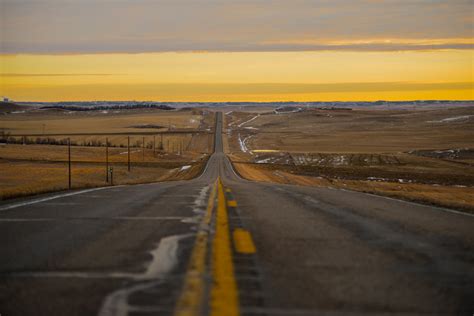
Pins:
x,y
423,155
96,122
37,168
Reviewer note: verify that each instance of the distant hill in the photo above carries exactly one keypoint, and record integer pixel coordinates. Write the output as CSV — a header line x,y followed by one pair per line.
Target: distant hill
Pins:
x,y
7,107
84,106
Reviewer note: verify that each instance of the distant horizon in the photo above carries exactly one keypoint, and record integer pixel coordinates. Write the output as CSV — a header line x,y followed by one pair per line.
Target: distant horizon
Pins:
x,y
212,51
230,102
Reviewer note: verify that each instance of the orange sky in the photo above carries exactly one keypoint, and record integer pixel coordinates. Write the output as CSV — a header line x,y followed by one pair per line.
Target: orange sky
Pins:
x,y
240,76
249,50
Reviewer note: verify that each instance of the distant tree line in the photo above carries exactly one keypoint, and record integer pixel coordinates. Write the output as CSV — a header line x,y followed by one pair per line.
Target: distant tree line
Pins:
x,y
110,107
7,139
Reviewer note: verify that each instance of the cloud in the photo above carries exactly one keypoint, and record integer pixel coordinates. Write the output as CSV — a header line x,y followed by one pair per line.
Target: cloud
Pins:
x,y
51,75
95,26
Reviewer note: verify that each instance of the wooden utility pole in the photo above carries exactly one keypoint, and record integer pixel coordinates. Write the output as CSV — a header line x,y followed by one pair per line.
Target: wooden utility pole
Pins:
x,y
106,160
69,162
161,142
128,151
143,149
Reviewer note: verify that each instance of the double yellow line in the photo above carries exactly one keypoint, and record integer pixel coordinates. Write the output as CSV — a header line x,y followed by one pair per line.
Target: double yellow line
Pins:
x,y
223,298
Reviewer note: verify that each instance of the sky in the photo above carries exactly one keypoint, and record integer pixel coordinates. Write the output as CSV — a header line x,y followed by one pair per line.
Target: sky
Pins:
x,y
222,50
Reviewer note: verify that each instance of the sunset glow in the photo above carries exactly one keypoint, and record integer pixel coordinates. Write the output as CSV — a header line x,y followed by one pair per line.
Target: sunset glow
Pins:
x,y
253,76
236,51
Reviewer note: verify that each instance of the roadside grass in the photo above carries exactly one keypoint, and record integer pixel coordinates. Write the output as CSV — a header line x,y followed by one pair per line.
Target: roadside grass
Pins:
x,y
454,197
97,154
19,179
33,169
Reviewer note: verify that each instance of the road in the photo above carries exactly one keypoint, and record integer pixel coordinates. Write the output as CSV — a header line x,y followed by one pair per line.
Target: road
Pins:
x,y
221,245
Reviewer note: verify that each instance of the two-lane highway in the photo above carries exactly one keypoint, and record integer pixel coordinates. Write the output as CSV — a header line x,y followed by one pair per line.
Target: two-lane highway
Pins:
x,y
230,247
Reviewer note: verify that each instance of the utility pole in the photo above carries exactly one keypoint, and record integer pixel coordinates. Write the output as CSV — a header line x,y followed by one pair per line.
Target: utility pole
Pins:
x,y
143,149
154,146
106,160
69,162
128,151
161,142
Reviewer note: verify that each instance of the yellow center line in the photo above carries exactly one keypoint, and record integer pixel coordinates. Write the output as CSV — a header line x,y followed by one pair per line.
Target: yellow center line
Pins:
x,y
224,295
232,203
190,301
243,242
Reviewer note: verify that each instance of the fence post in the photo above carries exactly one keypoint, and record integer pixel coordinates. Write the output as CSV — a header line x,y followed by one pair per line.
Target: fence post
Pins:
x,y
106,160
128,151
69,162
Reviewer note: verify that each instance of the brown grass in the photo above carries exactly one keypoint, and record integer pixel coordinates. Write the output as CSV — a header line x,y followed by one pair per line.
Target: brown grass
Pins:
x,y
455,197
63,122
33,169
373,144
357,131
27,178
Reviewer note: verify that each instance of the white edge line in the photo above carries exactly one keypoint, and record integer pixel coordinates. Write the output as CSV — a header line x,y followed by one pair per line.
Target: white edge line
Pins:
x,y
205,169
410,202
381,197
35,201
233,170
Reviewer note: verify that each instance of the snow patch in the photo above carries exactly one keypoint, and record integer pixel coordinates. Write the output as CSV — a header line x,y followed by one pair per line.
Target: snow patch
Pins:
x,y
248,121
243,144
452,119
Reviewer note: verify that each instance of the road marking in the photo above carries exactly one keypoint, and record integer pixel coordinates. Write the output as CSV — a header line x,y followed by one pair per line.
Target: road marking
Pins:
x,y
232,203
191,299
224,295
205,168
119,218
49,198
233,170
243,242
439,208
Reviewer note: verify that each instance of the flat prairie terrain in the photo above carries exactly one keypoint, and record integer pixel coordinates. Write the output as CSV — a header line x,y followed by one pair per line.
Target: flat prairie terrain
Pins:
x,y
418,154
114,121
32,164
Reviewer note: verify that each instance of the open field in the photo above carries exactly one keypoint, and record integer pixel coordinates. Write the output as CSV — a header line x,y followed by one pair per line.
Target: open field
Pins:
x,y
31,165
423,155
455,196
52,121
26,178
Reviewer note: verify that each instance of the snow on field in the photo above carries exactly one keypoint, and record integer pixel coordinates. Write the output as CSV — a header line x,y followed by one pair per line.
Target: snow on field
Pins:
x,y
184,168
335,160
248,121
452,119
267,160
243,144
125,152
227,113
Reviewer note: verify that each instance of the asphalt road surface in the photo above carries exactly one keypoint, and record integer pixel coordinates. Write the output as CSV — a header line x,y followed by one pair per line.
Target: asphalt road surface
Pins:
x,y
230,247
